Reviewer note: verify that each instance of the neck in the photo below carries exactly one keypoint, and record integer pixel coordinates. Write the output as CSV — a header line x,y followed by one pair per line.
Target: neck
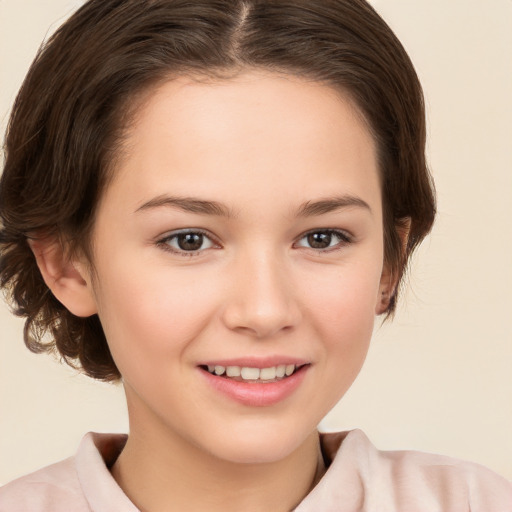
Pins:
x,y
160,472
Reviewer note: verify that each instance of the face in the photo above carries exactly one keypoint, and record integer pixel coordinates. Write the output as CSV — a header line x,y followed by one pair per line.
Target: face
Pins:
x,y
241,240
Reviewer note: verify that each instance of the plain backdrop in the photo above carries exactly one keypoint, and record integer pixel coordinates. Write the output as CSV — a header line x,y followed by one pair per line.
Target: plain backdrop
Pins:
x,y
439,377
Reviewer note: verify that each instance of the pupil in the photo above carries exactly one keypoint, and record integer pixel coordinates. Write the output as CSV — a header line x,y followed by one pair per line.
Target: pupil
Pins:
x,y
190,241
319,240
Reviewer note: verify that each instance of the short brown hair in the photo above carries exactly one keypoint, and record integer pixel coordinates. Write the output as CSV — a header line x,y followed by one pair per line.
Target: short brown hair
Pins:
x,y
68,118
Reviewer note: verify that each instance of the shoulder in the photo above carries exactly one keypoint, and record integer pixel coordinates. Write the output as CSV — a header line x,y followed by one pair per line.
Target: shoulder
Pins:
x,y
443,481
79,484
55,488
408,480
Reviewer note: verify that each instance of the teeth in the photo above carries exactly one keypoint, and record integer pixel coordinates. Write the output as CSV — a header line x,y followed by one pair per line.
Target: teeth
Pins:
x,y
219,370
233,371
268,373
252,374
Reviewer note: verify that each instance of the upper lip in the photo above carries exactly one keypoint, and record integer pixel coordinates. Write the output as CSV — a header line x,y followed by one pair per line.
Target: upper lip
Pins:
x,y
256,362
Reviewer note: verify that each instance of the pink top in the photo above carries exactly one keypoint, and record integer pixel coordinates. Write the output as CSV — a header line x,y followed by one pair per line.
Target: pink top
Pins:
x,y
359,478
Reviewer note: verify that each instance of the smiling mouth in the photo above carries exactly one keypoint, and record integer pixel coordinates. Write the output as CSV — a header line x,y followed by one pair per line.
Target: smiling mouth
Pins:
x,y
254,375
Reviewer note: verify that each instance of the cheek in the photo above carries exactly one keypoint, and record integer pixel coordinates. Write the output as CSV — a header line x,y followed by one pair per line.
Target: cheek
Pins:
x,y
343,311
345,298
148,315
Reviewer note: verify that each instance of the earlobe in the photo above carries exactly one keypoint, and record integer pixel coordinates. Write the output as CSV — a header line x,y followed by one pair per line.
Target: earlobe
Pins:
x,y
66,279
389,281
386,292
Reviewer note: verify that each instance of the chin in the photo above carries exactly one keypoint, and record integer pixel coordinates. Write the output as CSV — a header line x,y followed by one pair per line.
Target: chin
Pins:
x,y
260,444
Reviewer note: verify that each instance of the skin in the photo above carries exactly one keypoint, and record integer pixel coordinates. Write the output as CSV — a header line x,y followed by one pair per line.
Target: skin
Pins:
x,y
263,146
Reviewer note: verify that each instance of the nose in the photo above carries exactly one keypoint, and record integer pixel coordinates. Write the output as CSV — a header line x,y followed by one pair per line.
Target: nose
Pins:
x,y
262,300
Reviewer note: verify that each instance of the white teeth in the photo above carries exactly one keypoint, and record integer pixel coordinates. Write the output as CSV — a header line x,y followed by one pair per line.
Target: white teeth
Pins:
x,y
250,373
219,370
233,371
268,373
247,373
290,368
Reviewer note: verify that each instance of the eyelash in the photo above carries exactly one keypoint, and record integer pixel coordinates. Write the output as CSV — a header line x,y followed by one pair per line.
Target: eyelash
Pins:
x,y
164,243
344,240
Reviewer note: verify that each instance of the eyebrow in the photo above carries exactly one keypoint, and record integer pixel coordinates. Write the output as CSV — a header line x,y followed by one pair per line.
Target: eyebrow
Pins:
x,y
331,204
205,207
188,204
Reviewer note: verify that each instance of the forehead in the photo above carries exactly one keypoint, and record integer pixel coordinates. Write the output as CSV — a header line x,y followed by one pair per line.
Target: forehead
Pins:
x,y
264,132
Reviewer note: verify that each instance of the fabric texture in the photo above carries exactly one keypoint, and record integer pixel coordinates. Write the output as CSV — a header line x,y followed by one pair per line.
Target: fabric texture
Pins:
x,y
359,478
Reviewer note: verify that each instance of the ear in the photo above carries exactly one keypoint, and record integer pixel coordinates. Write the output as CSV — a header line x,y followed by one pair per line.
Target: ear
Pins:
x,y
67,279
388,280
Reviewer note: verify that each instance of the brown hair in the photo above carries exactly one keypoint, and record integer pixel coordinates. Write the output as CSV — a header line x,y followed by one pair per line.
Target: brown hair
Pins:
x,y
67,122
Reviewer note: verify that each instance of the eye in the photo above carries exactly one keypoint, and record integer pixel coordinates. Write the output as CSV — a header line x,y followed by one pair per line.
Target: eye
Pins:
x,y
324,239
190,241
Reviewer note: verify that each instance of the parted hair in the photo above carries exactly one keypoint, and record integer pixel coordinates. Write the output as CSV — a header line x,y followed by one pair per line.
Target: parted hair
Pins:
x,y
67,124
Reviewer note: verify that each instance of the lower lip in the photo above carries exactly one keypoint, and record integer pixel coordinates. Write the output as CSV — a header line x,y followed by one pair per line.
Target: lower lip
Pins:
x,y
257,394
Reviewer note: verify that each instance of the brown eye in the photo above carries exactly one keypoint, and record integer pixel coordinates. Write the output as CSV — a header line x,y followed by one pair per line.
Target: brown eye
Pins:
x,y
190,241
324,239
319,240
187,242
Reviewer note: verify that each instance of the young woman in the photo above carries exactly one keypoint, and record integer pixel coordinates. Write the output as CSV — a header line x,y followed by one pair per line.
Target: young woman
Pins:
x,y
212,201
